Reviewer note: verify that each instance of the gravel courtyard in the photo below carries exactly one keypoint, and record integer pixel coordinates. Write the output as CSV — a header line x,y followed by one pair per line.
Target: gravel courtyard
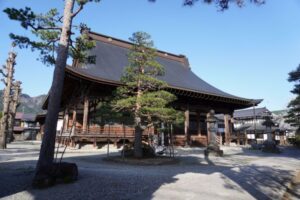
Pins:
x,y
240,174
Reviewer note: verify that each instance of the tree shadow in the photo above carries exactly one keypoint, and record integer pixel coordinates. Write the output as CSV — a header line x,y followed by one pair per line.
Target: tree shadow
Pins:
x,y
285,151
205,177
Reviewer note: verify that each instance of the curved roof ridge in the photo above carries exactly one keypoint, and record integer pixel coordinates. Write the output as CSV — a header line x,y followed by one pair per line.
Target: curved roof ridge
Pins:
x,y
126,44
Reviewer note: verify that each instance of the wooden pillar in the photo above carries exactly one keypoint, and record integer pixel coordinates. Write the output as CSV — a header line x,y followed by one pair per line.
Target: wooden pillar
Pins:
x,y
85,114
66,120
198,123
74,121
74,117
208,130
95,143
186,126
228,128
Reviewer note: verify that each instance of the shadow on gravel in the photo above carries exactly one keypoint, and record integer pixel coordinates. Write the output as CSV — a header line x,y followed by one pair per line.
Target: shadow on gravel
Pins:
x,y
15,177
104,180
286,151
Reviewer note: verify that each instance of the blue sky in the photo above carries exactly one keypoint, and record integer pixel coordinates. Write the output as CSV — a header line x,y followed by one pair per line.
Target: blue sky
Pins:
x,y
247,52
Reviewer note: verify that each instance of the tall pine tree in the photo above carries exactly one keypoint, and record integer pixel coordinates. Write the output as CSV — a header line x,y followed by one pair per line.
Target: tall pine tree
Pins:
x,y
293,116
54,41
142,94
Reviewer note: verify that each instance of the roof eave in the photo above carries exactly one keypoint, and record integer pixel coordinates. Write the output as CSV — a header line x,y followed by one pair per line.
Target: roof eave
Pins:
x,y
243,101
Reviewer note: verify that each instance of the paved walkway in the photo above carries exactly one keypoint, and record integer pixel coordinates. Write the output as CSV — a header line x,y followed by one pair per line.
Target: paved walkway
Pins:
x,y
240,174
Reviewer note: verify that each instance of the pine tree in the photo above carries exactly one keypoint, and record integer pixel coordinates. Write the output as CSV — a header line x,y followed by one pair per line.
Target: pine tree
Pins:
x,y
54,42
293,115
142,94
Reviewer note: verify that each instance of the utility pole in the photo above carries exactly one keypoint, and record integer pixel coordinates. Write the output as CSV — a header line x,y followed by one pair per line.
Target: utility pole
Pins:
x,y
16,87
8,79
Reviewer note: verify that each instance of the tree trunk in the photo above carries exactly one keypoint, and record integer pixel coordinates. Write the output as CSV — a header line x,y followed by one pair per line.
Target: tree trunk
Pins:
x,y
13,110
46,156
6,99
138,151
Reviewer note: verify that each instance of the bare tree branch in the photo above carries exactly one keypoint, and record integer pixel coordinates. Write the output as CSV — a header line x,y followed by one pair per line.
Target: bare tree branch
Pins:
x,y
53,41
72,45
3,81
43,28
3,73
48,28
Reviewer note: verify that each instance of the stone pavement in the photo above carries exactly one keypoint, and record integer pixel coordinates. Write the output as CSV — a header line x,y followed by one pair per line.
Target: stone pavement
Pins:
x,y
240,174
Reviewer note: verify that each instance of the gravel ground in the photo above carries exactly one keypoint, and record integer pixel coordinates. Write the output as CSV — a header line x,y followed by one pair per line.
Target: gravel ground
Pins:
x,y
240,174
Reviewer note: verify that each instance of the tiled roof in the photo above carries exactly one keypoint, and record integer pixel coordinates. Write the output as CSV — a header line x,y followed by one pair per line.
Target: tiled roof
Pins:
x,y
25,116
111,59
250,113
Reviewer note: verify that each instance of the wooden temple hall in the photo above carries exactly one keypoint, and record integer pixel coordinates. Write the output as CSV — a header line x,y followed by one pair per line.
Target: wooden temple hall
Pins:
x,y
86,86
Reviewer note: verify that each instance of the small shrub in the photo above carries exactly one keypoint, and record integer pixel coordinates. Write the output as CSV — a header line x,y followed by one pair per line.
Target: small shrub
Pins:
x,y
148,151
295,141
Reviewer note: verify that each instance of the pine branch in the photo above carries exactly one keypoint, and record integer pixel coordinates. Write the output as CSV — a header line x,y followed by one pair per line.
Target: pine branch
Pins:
x,y
37,28
78,10
47,28
59,19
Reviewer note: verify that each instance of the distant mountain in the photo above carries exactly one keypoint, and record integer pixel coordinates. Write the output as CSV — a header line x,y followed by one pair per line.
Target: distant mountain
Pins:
x,y
280,112
27,104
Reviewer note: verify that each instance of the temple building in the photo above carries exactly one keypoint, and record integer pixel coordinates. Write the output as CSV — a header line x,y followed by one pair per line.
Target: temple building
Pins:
x,y
86,86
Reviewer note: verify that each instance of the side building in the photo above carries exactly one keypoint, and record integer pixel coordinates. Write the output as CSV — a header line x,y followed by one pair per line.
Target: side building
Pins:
x,y
250,123
25,126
